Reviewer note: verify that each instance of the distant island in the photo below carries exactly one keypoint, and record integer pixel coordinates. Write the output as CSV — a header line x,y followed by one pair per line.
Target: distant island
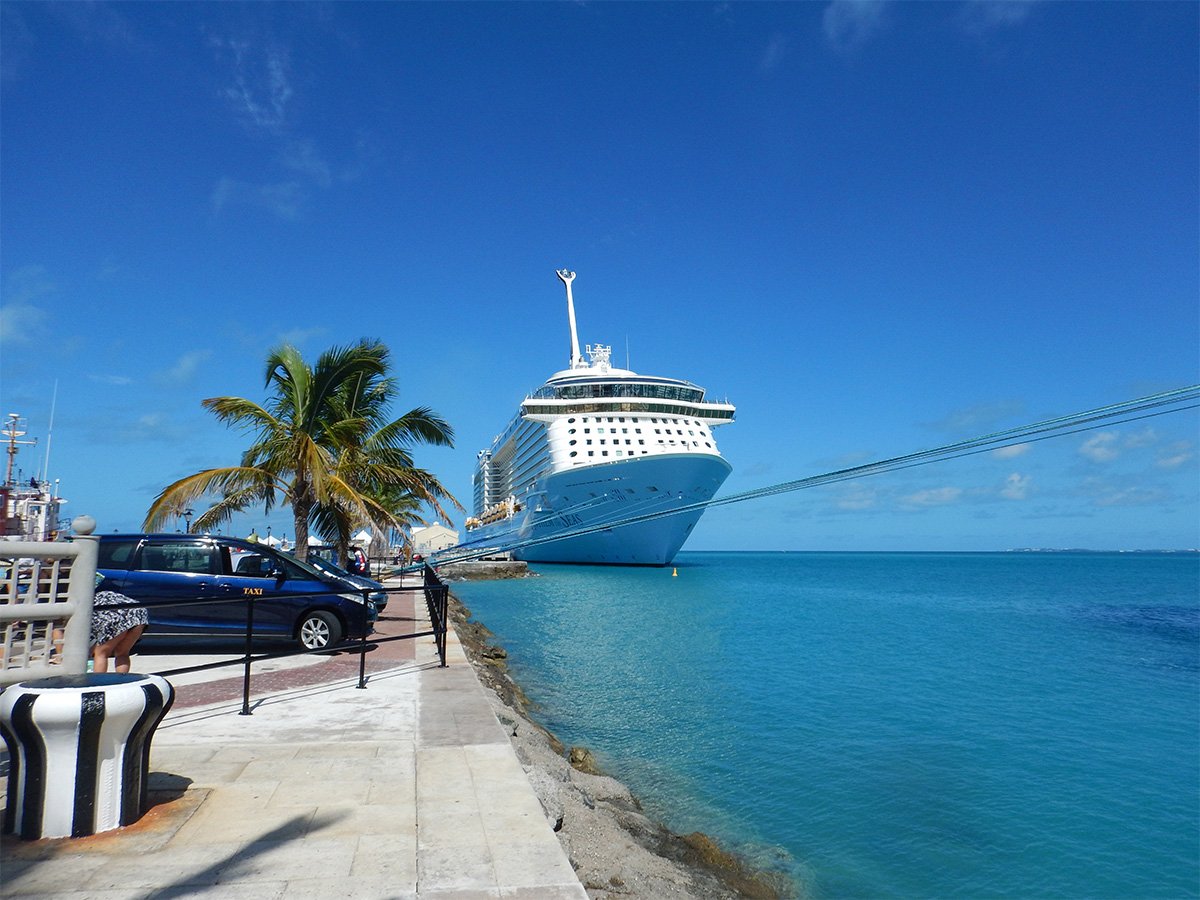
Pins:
x,y
1084,550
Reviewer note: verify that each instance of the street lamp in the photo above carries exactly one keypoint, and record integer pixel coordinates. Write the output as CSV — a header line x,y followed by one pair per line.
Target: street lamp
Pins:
x,y
187,520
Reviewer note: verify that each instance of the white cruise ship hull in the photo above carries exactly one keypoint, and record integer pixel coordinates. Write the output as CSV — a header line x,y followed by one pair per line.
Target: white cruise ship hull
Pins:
x,y
599,466
575,516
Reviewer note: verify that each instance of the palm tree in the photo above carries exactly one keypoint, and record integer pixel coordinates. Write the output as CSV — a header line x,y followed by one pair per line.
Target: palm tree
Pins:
x,y
322,443
392,489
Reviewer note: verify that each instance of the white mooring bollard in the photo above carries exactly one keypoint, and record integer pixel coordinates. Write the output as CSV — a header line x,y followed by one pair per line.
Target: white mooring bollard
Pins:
x,y
79,751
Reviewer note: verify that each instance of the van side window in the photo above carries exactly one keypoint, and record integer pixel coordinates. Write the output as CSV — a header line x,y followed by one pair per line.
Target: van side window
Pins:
x,y
194,558
115,554
253,565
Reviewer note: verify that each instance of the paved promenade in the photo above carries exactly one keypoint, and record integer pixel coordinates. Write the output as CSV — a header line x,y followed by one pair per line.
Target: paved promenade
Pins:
x,y
408,789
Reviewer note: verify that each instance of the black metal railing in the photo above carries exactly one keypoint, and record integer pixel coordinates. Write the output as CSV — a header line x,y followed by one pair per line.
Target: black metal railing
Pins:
x,y
436,595
437,599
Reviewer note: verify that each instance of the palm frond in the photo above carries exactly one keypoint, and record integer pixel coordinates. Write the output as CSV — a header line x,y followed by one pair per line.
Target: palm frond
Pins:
x,y
177,496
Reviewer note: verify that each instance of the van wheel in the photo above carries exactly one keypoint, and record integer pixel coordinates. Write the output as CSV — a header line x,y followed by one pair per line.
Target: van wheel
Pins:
x,y
319,629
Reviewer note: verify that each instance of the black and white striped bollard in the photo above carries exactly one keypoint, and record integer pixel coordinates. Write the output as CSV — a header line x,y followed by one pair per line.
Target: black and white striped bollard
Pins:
x,y
79,751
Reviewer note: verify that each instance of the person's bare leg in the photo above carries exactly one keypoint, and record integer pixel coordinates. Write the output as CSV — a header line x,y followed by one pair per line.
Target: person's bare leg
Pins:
x,y
100,654
124,644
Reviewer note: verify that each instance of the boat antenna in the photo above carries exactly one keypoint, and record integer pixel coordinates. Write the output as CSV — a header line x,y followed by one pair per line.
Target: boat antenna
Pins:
x,y
50,432
567,276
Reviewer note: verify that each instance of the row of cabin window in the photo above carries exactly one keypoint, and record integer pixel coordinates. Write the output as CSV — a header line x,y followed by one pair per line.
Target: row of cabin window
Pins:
x,y
574,453
641,442
653,421
678,431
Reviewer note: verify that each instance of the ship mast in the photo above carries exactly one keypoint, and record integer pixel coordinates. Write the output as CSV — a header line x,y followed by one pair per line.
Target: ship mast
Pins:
x,y
12,431
567,277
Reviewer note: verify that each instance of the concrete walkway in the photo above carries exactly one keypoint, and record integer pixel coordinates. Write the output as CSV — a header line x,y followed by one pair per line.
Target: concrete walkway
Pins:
x,y
408,789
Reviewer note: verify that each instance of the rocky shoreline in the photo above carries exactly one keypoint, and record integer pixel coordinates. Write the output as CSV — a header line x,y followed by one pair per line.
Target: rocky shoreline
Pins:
x,y
616,850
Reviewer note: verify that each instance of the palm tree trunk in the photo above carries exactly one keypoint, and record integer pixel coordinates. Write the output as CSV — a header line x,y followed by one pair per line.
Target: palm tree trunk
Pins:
x,y
301,507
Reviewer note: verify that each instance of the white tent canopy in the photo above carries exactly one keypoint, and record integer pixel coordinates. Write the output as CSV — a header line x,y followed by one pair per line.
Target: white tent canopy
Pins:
x,y
363,537
271,541
314,541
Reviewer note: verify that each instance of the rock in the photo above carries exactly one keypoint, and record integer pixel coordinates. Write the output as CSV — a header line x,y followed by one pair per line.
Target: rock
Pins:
x,y
603,789
549,793
581,759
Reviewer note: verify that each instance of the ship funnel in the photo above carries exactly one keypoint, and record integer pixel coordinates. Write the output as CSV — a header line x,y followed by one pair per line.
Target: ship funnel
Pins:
x,y
567,277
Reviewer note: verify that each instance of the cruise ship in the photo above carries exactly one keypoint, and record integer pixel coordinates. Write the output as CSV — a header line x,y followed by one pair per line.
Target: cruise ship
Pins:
x,y
600,465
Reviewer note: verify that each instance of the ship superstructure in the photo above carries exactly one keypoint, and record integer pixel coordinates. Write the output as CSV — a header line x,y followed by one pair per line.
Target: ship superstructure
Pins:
x,y
592,448
29,508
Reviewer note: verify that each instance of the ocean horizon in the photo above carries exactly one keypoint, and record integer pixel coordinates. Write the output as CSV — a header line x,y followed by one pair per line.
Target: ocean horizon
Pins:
x,y
888,724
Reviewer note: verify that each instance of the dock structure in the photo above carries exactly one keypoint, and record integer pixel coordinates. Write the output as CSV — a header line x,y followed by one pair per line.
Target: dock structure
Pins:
x,y
407,789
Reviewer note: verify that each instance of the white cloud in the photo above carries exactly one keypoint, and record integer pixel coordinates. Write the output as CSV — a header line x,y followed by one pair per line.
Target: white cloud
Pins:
x,y
848,23
284,200
298,336
1101,447
21,317
155,428
1108,445
261,88
303,157
933,497
978,418
115,380
19,322
17,43
1016,486
980,16
773,54
1011,452
1176,455
857,498
1143,438
186,366
1133,496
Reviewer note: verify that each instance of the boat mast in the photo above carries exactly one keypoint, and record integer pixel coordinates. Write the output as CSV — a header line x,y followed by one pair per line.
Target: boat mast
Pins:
x,y
12,431
567,277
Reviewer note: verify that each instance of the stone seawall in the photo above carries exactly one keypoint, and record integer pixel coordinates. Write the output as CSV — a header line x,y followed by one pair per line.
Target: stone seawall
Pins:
x,y
482,569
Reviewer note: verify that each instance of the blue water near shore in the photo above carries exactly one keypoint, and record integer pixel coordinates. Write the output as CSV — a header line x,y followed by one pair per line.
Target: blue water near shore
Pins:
x,y
889,725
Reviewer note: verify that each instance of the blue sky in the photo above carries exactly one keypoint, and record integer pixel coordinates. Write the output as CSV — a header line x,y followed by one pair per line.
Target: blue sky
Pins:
x,y
874,227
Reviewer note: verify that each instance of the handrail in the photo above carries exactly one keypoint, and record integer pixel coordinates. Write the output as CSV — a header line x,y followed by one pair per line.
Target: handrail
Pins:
x,y
54,606
46,618
437,602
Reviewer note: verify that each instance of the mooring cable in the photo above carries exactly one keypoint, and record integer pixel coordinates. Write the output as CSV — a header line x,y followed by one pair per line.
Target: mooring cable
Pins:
x,y
1151,406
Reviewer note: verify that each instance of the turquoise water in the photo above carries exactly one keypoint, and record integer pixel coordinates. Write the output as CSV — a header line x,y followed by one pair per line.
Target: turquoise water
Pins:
x,y
889,725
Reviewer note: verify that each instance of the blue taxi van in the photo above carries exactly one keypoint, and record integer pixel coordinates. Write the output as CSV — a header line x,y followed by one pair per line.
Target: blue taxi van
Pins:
x,y
292,600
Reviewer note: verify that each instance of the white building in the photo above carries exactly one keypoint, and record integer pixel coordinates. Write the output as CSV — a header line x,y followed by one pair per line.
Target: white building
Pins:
x,y
433,538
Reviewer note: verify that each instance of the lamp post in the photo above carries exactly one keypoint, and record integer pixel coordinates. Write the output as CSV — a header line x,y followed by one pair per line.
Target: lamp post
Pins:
x,y
187,520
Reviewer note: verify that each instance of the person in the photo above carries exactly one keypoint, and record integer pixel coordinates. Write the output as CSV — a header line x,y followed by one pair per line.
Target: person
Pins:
x,y
358,562
115,630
